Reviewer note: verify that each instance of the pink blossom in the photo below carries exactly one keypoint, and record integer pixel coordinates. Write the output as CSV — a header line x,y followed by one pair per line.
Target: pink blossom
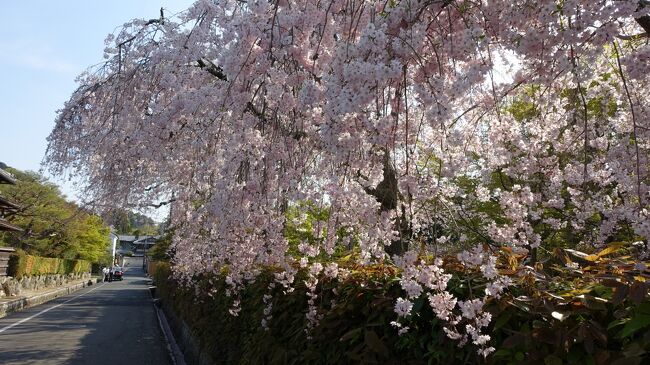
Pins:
x,y
403,307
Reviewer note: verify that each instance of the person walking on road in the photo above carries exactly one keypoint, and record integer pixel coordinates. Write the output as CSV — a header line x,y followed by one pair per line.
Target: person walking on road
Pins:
x,y
110,274
105,272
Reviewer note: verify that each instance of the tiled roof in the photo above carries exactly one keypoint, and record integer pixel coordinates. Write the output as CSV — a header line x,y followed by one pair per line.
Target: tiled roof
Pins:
x,y
147,239
6,204
6,226
6,177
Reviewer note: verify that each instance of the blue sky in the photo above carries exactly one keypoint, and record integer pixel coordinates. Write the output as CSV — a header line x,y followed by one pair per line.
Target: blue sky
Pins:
x,y
44,45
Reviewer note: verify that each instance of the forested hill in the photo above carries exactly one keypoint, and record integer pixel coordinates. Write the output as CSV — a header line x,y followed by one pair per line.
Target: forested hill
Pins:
x,y
127,222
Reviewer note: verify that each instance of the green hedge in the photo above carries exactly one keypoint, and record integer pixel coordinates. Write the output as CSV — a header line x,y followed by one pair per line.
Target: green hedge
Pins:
x,y
606,321
22,264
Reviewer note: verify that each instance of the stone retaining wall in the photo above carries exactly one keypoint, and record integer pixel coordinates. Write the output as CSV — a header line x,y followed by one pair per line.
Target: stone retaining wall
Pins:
x,y
19,303
12,287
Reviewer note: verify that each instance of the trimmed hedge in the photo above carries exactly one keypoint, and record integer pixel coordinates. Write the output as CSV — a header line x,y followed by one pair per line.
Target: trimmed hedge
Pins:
x,y
22,264
605,318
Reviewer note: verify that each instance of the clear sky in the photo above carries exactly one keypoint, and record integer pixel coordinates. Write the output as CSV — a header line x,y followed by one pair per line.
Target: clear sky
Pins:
x,y
44,45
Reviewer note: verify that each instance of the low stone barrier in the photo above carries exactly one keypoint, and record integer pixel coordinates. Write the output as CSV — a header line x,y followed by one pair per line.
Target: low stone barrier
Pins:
x,y
18,303
12,287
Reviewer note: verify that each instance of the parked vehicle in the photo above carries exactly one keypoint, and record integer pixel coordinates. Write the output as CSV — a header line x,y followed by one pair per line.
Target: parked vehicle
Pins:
x,y
118,273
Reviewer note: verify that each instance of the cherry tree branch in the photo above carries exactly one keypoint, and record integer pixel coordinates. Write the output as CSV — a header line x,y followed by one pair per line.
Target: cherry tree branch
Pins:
x,y
213,69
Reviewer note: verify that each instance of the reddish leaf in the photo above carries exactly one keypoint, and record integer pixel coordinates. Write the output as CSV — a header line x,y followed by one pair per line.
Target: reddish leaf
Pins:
x,y
602,357
514,340
638,291
545,335
620,293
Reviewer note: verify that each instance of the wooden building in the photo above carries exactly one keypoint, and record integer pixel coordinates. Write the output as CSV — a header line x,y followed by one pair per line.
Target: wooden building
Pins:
x,y
7,208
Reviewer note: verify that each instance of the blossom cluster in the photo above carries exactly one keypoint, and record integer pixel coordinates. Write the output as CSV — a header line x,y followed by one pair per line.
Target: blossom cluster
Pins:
x,y
464,319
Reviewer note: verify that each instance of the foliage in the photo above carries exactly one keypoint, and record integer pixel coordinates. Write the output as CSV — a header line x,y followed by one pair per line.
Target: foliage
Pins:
x,y
53,226
22,264
128,222
307,224
160,251
597,312
578,308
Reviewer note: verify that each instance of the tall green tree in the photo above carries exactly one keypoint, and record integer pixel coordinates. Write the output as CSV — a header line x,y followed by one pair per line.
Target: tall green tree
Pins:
x,y
127,222
52,226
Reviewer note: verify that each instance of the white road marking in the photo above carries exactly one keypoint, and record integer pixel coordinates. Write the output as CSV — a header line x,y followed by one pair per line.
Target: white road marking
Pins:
x,y
48,309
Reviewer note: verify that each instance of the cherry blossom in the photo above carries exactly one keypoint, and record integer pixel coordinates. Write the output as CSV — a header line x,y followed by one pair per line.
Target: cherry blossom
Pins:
x,y
444,126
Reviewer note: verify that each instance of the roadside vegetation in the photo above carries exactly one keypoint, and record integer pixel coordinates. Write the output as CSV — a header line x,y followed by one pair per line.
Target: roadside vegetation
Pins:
x,y
52,226
131,223
575,308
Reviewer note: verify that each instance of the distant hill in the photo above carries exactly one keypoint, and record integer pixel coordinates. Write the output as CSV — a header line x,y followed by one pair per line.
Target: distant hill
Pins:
x,y
132,223
3,165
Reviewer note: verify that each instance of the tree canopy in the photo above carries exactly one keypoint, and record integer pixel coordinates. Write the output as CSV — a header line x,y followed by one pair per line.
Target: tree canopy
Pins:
x,y
418,126
128,222
52,226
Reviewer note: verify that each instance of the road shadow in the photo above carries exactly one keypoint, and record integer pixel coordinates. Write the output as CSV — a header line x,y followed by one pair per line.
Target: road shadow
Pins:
x,y
114,324
128,330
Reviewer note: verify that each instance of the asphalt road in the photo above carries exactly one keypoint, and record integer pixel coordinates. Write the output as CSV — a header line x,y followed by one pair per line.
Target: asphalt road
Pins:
x,y
106,323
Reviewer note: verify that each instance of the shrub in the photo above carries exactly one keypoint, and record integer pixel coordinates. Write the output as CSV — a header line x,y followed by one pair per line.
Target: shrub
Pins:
x,y
22,264
592,314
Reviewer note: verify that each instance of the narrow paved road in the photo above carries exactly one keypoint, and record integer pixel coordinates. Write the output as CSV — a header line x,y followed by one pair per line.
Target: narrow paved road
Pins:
x,y
106,323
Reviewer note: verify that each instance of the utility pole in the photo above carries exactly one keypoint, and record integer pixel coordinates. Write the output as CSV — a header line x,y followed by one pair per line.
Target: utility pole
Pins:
x,y
144,256
114,238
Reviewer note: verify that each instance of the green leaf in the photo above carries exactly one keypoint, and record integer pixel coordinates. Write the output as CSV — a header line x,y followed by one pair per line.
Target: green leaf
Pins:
x,y
617,323
502,353
502,320
351,334
643,308
638,322
375,344
552,360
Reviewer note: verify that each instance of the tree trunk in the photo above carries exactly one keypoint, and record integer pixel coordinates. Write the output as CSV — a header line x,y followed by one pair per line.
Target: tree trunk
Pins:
x,y
387,194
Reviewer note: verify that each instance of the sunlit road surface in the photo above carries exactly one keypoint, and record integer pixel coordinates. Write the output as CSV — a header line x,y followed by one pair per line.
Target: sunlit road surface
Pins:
x,y
107,323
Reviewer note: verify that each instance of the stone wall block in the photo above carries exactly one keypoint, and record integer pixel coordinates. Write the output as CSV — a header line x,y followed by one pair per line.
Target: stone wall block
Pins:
x,y
11,288
39,282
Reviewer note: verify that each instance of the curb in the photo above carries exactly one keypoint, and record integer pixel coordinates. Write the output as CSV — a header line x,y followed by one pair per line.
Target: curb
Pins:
x,y
18,304
175,352
188,344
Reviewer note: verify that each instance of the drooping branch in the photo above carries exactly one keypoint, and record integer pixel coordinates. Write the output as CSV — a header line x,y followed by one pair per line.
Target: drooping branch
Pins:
x,y
644,21
215,70
633,37
163,203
